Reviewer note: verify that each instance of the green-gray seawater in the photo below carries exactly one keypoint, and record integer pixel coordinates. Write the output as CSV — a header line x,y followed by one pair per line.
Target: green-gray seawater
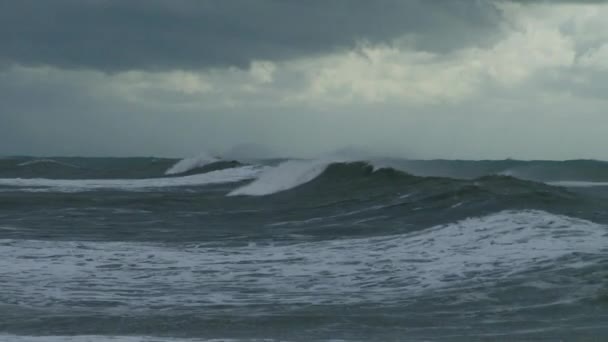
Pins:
x,y
119,249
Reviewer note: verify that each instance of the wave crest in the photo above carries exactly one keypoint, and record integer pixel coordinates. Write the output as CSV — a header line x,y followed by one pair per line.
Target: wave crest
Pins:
x,y
285,176
46,162
230,175
189,164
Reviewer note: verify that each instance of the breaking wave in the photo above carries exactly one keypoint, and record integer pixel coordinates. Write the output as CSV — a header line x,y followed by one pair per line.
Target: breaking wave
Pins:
x,y
189,164
285,176
326,176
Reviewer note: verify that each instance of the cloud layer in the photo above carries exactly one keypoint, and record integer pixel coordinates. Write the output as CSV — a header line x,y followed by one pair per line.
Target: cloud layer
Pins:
x,y
112,35
450,79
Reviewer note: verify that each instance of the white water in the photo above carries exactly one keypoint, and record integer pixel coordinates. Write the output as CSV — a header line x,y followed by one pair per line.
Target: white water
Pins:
x,y
143,276
578,184
47,161
76,185
189,164
95,338
285,176
291,174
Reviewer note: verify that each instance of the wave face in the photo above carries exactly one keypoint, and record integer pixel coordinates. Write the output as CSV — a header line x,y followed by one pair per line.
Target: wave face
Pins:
x,y
96,249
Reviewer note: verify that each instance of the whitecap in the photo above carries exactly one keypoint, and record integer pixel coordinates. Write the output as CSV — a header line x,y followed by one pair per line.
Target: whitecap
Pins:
x,y
47,161
467,253
578,184
291,174
285,176
101,338
76,185
189,164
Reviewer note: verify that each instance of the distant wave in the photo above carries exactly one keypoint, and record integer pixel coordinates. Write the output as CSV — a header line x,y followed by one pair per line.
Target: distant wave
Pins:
x,y
147,167
70,185
46,161
106,338
189,164
578,184
331,174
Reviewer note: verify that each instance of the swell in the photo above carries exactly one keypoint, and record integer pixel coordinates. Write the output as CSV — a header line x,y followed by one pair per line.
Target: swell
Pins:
x,y
319,177
460,254
150,167
358,198
298,190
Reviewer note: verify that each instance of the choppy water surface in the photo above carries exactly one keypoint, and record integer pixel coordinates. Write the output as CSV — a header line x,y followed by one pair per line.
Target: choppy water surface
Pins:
x,y
203,249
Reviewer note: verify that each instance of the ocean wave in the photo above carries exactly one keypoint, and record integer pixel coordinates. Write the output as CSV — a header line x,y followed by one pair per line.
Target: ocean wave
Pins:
x,y
295,173
578,184
229,175
137,168
46,162
140,276
555,171
101,338
325,176
285,176
189,164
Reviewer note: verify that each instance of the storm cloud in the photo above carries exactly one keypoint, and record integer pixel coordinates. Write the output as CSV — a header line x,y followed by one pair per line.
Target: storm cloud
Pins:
x,y
113,35
472,79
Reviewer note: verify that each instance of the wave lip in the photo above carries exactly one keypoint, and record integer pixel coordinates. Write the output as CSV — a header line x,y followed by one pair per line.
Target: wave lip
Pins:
x,y
75,185
189,164
294,173
285,176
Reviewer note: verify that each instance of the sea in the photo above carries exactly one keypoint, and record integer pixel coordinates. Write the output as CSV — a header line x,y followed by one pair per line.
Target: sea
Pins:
x,y
328,249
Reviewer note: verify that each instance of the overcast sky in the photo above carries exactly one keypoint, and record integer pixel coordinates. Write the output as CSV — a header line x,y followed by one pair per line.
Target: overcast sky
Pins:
x,y
469,79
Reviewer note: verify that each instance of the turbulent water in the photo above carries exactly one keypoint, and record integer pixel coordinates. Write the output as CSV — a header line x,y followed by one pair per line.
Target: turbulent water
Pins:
x,y
204,249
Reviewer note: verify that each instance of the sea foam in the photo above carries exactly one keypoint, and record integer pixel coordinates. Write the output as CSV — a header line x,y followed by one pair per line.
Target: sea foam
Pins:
x,y
285,176
76,185
142,276
189,164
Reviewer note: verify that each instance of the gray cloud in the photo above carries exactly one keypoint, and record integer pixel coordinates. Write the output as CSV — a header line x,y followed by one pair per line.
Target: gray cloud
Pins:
x,y
531,87
118,35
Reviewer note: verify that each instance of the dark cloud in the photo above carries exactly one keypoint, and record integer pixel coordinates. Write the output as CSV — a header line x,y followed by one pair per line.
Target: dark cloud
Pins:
x,y
116,35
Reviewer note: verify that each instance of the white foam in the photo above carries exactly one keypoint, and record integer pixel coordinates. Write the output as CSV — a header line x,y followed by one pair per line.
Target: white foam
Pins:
x,y
99,338
188,164
146,276
76,185
291,174
285,176
47,161
578,184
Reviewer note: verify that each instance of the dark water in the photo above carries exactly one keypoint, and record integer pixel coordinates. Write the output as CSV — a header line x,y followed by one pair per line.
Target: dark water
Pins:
x,y
106,249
